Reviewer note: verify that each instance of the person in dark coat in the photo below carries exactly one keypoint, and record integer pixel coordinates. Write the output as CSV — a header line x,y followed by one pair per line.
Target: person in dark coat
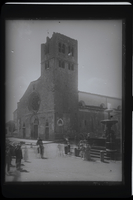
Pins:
x,y
87,152
8,158
25,153
39,143
68,147
18,154
12,152
42,150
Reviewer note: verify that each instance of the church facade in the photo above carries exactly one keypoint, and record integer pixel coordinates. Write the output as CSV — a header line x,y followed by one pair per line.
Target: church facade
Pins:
x,y
52,106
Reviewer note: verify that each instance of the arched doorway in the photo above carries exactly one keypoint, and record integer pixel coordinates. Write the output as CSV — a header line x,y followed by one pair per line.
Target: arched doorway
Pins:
x,y
24,130
35,130
47,131
34,126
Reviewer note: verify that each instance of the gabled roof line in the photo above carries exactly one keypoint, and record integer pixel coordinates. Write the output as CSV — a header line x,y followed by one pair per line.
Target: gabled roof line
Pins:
x,y
99,95
29,86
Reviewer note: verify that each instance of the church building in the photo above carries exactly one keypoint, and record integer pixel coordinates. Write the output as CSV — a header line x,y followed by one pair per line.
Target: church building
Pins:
x,y
52,106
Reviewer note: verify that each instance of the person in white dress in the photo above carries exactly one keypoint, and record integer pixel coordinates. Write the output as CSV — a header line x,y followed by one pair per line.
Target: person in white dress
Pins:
x,y
25,153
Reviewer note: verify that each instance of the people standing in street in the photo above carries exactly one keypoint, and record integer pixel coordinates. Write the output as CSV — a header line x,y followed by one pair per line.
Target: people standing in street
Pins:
x,y
83,150
87,152
38,143
8,159
19,156
68,147
12,153
25,153
42,150
59,149
88,138
80,146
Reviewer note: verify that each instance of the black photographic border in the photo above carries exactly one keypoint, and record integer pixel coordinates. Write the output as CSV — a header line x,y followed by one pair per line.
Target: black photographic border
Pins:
x,y
74,189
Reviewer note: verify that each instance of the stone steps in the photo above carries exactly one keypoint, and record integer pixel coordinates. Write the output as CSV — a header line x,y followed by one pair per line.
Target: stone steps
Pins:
x,y
96,152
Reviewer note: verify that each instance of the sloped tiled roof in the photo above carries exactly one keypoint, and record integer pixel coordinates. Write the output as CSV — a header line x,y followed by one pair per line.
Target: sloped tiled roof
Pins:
x,y
90,99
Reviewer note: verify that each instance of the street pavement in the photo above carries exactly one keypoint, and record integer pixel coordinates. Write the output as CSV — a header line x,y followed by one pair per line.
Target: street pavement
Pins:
x,y
62,168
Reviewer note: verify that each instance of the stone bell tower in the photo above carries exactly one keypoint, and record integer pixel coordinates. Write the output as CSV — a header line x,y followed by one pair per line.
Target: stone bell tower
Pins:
x,y
59,79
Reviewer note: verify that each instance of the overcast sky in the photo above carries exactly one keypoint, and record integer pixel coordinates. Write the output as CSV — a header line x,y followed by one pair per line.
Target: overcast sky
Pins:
x,y
99,55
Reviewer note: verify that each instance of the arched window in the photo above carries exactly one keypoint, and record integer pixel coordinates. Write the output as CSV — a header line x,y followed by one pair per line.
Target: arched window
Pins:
x,y
63,64
47,49
63,48
59,47
47,65
72,67
72,51
69,49
36,122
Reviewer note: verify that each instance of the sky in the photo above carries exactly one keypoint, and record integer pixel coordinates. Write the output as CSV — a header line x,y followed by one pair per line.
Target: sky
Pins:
x,y
99,55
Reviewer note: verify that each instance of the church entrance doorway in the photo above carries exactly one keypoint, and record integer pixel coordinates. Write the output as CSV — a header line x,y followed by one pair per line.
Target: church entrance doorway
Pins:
x,y
35,136
34,123
35,130
47,131
24,130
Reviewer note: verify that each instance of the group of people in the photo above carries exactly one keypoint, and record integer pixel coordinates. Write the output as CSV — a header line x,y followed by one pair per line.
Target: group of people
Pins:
x,y
60,147
14,150
64,148
84,149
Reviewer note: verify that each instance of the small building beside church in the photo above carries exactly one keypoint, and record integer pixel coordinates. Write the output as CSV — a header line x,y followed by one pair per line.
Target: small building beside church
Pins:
x,y
52,106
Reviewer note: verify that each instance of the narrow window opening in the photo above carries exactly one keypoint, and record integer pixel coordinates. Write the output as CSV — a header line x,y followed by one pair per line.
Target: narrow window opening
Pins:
x,y
69,49
59,47
63,48
72,51
47,49
47,65
72,67
69,67
59,63
63,65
